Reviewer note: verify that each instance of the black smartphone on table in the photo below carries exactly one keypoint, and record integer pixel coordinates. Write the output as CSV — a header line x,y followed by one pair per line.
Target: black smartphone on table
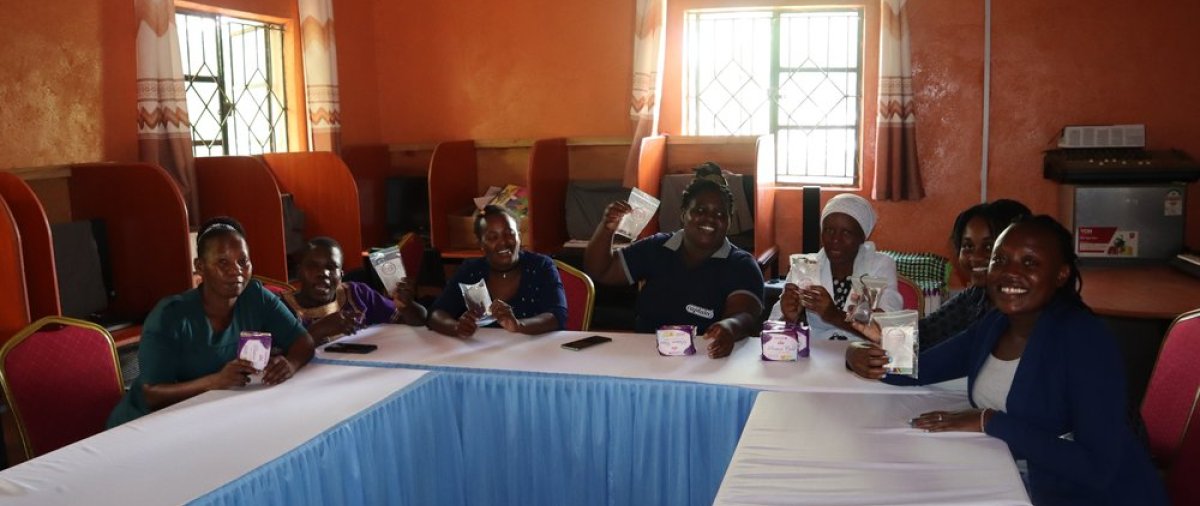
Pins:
x,y
586,342
358,348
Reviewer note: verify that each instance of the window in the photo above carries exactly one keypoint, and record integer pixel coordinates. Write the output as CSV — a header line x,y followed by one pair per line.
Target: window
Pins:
x,y
793,73
233,73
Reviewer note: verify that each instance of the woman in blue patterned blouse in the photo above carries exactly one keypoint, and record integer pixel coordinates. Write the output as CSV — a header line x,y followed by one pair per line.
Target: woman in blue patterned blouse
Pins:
x,y
527,293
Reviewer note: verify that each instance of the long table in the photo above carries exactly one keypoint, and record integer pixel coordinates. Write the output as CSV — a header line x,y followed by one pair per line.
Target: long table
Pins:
x,y
188,450
797,449
508,419
627,356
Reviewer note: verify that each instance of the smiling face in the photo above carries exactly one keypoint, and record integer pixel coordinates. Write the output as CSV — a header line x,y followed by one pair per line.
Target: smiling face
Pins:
x,y
321,273
500,242
224,265
841,237
706,220
1026,271
975,250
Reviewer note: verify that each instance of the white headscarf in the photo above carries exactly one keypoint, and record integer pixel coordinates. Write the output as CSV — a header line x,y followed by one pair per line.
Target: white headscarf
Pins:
x,y
854,206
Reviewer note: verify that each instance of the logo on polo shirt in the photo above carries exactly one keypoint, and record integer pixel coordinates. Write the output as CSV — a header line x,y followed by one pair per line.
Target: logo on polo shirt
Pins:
x,y
699,311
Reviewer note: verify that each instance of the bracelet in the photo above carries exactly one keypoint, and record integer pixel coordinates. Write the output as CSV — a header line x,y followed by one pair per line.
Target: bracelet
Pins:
x,y
981,420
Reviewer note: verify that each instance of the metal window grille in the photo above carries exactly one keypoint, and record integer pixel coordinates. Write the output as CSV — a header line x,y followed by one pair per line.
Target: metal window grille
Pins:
x,y
794,73
233,69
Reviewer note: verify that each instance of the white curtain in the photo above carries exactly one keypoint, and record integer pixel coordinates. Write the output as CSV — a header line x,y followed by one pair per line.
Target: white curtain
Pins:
x,y
320,75
897,173
648,48
164,133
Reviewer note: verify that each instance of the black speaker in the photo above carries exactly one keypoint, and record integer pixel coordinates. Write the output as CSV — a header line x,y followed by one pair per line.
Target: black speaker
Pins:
x,y
812,219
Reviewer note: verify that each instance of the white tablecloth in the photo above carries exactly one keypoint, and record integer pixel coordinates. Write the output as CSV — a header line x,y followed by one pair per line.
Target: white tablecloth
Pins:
x,y
830,449
628,356
187,450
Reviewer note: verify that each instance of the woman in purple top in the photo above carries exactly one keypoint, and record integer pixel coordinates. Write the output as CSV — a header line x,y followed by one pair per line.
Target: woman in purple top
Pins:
x,y
330,308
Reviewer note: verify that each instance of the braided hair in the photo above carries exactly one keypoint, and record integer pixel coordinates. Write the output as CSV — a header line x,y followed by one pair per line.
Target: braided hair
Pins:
x,y
489,211
1065,243
998,215
708,177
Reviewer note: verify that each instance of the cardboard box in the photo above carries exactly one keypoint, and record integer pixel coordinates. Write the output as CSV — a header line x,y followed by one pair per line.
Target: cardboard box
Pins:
x,y
460,227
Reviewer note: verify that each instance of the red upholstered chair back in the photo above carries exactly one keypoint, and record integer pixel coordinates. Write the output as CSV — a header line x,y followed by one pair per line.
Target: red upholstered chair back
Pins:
x,y
1182,485
913,298
412,252
1172,387
581,295
275,286
62,378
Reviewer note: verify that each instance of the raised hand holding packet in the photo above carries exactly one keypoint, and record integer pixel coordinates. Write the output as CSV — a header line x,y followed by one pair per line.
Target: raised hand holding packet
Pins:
x,y
644,206
804,270
389,267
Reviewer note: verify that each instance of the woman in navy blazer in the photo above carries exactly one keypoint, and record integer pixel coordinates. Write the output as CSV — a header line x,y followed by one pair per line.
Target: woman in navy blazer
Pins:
x,y
1061,406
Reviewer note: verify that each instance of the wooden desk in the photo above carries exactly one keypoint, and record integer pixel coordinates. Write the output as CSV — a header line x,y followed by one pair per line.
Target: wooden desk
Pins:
x,y
1138,303
1151,292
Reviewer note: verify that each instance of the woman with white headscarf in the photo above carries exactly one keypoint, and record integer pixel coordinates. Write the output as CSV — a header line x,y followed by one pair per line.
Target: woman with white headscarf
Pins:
x,y
845,256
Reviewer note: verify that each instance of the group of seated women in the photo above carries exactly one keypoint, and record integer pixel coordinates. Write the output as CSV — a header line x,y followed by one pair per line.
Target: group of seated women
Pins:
x,y
1044,373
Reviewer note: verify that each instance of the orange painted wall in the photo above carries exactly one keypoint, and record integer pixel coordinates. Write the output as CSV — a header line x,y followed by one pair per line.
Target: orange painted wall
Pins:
x,y
487,70
1119,62
358,79
68,84
51,82
428,71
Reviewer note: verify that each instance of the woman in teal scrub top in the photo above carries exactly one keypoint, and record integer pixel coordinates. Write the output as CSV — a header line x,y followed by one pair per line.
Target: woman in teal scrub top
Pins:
x,y
189,342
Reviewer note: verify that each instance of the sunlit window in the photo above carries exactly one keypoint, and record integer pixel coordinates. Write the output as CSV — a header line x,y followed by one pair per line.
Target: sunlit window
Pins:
x,y
794,73
235,86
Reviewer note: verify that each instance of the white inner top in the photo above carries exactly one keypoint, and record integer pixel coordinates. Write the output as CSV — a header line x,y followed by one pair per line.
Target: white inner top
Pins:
x,y
993,383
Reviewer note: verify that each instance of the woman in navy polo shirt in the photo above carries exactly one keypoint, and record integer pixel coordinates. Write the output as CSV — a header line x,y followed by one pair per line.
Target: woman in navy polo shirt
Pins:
x,y
693,276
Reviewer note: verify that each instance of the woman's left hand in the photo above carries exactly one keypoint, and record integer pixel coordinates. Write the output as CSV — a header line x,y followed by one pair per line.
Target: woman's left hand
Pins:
x,y
720,335
504,315
967,420
278,370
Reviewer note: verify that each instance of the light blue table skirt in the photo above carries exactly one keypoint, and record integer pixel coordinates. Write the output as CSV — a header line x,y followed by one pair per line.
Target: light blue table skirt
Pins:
x,y
494,437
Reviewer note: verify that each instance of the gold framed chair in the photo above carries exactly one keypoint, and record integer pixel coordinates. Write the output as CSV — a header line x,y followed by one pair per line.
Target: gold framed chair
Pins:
x,y
62,378
581,296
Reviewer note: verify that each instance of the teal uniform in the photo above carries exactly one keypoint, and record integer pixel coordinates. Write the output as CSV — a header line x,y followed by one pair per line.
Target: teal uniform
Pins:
x,y
179,345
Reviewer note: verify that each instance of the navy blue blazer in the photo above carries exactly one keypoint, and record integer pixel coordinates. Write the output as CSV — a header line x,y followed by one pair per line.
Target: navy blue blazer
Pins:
x,y
1066,409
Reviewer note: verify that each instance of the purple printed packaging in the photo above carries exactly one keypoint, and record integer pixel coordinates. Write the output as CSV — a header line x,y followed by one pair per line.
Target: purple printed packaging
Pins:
x,y
676,340
255,347
783,341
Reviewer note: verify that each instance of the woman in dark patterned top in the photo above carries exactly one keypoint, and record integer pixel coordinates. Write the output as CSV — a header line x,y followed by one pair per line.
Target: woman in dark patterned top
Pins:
x,y
526,291
974,231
